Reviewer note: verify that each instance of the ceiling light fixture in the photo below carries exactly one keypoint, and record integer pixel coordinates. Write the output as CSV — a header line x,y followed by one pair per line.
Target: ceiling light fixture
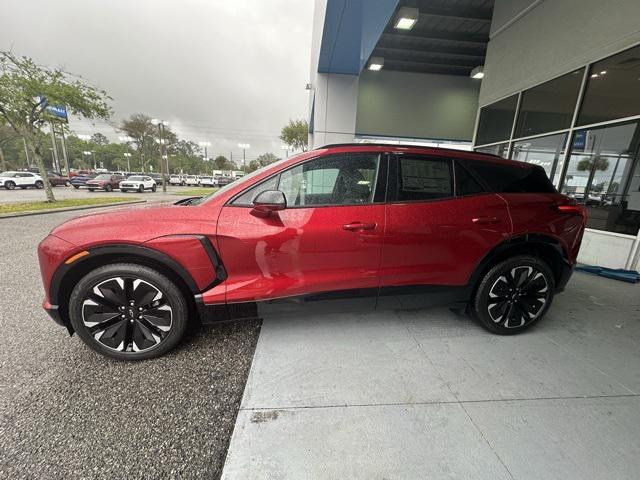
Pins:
x,y
376,63
406,18
477,72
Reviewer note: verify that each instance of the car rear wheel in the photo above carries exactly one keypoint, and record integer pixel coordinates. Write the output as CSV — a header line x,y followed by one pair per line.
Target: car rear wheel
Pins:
x,y
153,188
76,186
108,188
40,184
141,189
128,311
513,295
67,183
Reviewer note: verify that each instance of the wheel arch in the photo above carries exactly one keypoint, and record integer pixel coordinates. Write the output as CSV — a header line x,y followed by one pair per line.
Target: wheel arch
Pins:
x,y
545,247
67,276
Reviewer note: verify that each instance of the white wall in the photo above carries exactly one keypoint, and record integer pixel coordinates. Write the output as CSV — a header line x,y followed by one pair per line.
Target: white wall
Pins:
x,y
552,38
607,249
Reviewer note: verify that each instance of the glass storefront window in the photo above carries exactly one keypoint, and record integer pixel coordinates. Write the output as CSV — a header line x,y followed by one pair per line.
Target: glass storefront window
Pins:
x,y
549,106
496,121
500,149
613,89
603,173
548,152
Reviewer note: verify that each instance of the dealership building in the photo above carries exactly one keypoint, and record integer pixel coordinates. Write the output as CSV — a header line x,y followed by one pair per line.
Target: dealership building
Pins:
x,y
550,82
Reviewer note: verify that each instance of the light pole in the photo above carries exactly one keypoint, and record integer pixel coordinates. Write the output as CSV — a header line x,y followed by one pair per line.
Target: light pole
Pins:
x,y
205,145
244,147
128,155
163,151
86,152
286,149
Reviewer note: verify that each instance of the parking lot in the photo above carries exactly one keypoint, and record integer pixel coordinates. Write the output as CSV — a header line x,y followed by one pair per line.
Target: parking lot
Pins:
x,y
403,395
62,193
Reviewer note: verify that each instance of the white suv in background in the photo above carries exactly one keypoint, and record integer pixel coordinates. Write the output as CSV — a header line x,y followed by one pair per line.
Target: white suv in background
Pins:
x,y
139,183
191,180
11,180
176,180
206,181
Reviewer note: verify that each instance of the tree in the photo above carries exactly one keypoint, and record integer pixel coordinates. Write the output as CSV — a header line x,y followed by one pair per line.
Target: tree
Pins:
x,y
26,89
223,163
7,135
296,134
143,134
99,139
586,164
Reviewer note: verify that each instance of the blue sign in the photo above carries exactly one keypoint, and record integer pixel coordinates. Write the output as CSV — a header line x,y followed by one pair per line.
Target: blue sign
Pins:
x,y
59,111
579,140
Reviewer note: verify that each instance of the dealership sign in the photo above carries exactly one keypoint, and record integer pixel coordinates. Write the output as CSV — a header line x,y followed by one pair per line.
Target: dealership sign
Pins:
x,y
58,111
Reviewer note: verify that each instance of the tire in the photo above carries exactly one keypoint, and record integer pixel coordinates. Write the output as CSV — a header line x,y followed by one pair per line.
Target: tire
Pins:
x,y
124,190
108,188
39,184
513,295
9,185
22,188
154,188
67,183
111,325
76,187
92,189
141,189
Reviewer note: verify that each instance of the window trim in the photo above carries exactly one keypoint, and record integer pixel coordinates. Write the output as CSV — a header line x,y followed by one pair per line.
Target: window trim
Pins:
x,y
381,167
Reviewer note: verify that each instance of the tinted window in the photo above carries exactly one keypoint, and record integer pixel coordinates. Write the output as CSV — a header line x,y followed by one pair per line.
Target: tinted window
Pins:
x,y
339,180
613,89
465,183
496,121
422,178
549,106
511,178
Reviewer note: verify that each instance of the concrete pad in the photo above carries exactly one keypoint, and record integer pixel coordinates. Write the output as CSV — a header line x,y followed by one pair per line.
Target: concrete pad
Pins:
x,y
375,442
596,438
340,360
487,367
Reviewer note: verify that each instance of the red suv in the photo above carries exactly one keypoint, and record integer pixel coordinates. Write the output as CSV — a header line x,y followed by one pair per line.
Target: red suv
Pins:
x,y
105,181
343,227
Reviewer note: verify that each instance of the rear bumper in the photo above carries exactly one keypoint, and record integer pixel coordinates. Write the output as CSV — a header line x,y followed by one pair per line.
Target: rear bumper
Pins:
x,y
565,276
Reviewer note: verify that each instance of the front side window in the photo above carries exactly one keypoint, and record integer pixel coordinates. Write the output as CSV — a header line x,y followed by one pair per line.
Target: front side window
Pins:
x,y
421,178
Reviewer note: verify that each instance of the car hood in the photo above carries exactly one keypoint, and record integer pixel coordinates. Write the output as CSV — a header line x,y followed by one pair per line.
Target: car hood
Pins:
x,y
138,224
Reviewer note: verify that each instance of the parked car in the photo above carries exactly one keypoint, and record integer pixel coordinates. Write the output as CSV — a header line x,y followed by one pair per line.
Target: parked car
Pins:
x,y
11,180
139,183
81,180
176,180
206,182
191,180
355,226
57,180
104,181
222,181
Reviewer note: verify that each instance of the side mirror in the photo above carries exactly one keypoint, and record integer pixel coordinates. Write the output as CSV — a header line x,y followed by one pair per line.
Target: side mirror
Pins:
x,y
269,201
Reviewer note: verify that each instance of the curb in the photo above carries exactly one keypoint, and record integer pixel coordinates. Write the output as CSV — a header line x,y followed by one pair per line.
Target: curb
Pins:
x,y
68,209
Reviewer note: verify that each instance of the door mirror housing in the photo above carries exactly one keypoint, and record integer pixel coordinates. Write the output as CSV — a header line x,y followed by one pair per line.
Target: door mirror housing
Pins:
x,y
269,201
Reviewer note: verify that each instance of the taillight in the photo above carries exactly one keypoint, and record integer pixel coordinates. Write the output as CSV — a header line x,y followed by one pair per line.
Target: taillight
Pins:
x,y
571,209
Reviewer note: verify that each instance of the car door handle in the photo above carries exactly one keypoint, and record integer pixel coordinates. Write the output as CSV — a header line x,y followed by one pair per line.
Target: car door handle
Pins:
x,y
357,226
485,220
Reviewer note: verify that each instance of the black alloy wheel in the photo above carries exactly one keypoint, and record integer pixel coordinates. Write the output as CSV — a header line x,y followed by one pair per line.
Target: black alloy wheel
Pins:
x,y
128,311
9,185
514,294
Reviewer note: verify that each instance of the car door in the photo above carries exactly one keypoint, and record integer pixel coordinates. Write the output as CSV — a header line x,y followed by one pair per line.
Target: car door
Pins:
x,y
325,245
440,224
25,179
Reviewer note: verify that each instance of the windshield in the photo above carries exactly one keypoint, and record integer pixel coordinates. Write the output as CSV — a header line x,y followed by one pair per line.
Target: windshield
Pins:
x,y
103,176
136,178
8,174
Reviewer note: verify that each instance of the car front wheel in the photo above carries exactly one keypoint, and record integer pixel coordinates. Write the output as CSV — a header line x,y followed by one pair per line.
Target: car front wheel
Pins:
x,y
40,184
9,185
141,189
154,188
108,188
128,311
513,295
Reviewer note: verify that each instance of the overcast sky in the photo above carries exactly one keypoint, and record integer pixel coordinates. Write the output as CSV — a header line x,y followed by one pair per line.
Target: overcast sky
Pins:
x,y
224,71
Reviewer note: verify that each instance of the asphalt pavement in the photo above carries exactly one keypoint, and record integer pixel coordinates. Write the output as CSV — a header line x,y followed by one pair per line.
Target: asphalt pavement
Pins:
x,y
66,412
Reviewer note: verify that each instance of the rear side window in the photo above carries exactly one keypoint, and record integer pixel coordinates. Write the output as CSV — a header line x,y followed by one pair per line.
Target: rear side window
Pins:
x,y
512,179
465,183
423,178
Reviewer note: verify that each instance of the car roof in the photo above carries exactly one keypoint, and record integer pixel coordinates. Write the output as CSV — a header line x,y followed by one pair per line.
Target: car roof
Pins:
x,y
418,149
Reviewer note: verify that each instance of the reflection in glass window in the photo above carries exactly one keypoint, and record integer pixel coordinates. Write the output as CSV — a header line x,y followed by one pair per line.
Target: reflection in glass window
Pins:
x,y
547,152
339,180
613,89
603,174
500,149
549,106
496,121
